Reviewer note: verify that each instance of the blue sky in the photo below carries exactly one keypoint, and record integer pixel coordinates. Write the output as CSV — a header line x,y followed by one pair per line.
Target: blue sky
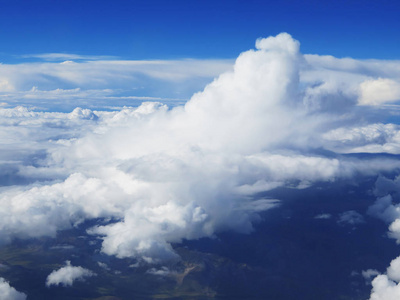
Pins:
x,y
195,29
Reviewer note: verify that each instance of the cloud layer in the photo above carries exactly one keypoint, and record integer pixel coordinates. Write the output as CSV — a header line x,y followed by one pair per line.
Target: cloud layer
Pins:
x,y
160,175
98,83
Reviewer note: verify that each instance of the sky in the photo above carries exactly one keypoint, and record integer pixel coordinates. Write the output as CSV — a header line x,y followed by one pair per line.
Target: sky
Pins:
x,y
195,29
160,122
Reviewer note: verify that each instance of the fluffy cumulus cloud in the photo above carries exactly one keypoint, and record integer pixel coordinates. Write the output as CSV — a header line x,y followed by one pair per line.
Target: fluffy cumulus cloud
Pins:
x,y
336,84
67,275
371,138
387,286
7,292
165,174
378,91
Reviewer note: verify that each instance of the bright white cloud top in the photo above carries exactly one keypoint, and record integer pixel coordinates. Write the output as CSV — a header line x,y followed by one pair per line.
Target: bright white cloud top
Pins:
x,y
66,276
168,174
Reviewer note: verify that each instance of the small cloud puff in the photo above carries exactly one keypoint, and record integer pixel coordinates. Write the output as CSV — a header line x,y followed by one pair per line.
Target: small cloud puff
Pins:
x,y
67,275
163,271
369,274
351,217
104,266
7,292
323,216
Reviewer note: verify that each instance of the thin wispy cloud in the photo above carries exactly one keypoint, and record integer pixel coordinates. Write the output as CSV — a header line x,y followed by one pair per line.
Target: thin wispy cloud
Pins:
x,y
67,57
102,83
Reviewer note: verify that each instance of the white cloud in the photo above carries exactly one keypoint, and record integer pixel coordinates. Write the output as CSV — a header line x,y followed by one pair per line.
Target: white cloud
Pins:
x,y
323,216
109,82
379,91
384,289
387,286
336,84
351,217
103,265
285,43
384,209
369,274
372,138
168,174
7,292
67,56
163,271
5,86
393,271
66,276
329,84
